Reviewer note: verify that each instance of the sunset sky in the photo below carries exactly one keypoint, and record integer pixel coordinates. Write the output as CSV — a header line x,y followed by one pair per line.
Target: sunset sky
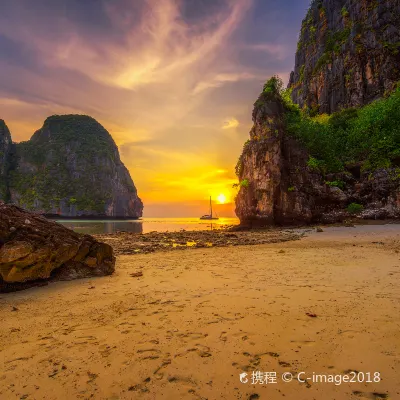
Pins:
x,y
173,81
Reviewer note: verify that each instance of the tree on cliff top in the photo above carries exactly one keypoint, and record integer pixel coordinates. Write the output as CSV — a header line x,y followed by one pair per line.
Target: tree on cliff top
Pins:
x,y
274,91
273,85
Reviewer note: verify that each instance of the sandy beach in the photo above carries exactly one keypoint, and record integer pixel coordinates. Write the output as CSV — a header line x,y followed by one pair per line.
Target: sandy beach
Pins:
x,y
185,324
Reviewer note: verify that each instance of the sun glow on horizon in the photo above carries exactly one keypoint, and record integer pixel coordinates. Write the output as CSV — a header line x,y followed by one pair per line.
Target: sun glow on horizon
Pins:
x,y
221,198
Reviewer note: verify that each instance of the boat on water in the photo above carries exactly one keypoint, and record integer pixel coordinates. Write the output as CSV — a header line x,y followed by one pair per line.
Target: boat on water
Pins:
x,y
209,216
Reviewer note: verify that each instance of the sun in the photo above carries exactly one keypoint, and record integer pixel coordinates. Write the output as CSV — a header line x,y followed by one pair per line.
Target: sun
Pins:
x,y
221,199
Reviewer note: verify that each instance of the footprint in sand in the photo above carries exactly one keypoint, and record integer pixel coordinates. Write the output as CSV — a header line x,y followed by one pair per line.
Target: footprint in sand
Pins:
x,y
350,334
304,342
140,387
149,354
242,335
104,350
184,381
255,360
284,364
193,335
202,351
158,373
371,396
223,336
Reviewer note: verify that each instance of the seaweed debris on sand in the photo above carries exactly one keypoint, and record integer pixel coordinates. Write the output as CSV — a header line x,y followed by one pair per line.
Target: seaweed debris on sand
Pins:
x,y
134,243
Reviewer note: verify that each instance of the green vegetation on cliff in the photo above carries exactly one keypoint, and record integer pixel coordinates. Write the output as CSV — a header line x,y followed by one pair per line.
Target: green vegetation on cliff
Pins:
x,y
368,136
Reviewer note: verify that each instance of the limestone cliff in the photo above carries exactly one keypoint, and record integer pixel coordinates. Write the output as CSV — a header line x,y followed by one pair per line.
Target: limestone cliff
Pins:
x,y
5,155
276,187
328,147
71,167
348,54
281,184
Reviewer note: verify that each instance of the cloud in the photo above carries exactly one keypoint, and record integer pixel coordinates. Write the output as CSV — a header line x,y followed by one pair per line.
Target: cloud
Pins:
x,y
230,123
279,51
159,46
160,75
221,79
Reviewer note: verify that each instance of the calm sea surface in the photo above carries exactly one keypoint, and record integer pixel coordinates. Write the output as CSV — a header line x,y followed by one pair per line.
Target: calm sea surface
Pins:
x,y
145,225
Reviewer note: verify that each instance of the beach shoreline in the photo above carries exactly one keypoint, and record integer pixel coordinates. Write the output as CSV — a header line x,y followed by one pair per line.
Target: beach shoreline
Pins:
x,y
186,324
128,243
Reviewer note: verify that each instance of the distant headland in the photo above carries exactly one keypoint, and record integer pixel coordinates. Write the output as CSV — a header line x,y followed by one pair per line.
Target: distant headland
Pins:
x,y
70,168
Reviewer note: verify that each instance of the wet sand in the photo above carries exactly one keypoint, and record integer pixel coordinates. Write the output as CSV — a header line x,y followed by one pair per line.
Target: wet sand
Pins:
x,y
185,324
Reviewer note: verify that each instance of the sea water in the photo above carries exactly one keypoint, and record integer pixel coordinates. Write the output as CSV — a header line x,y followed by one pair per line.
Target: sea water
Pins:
x,y
145,225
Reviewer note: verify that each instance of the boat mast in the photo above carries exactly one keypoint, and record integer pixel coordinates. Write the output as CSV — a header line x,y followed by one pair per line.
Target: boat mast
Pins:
x,y
210,207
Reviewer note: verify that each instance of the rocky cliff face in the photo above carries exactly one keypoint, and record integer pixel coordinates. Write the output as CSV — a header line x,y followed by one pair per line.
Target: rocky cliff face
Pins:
x,y
5,156
348,54
279,186
71,167
276,187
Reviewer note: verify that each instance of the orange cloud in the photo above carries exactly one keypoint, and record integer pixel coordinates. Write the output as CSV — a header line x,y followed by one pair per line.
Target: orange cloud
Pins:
x,y
230,123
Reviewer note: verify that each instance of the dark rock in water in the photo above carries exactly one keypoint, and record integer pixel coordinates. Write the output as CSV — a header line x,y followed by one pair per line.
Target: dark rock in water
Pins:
x,y
69,168
348,54
34,249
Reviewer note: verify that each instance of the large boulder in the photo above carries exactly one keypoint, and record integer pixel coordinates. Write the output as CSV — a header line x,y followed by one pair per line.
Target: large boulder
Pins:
x,y
34,249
